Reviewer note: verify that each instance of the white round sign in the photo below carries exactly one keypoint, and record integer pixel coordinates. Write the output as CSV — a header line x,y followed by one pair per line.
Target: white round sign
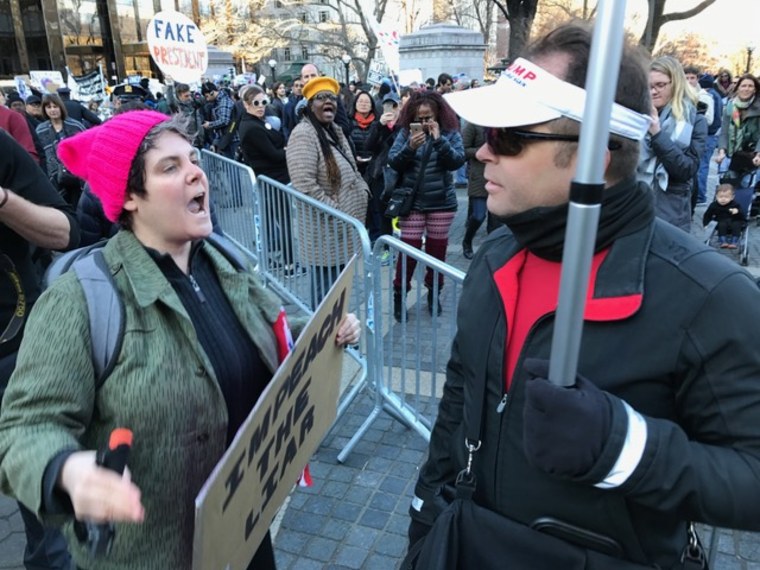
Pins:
x,y
177,46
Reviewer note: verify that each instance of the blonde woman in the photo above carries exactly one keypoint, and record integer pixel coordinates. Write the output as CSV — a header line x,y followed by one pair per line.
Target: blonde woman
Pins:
x,y
671,150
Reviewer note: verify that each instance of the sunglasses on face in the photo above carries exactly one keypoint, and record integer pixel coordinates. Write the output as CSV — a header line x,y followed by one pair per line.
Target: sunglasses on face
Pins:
x,y
325,97
510,142
263,102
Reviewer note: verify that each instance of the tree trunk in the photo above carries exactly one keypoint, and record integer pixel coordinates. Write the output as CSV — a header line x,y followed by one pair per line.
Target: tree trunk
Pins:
x,y
656,18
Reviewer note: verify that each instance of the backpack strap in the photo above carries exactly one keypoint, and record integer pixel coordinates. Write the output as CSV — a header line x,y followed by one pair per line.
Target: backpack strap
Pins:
x,y
230,251
106,313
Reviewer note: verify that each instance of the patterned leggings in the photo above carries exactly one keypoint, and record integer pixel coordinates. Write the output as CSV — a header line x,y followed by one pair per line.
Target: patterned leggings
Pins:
x,y
435,226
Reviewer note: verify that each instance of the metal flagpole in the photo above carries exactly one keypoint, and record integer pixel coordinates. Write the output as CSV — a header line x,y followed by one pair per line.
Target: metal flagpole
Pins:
x,y
102,82
586,191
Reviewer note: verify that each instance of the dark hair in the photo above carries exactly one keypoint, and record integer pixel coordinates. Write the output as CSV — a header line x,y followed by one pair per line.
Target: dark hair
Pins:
x,y
752,78
276,86
181,88
445,78
691,70
357,94
56,100
444,114
333,171
136,178
208,87
430,82
574,40
249,92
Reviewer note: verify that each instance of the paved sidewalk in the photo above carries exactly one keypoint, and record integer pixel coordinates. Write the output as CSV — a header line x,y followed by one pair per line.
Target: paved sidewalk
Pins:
x,y
355,515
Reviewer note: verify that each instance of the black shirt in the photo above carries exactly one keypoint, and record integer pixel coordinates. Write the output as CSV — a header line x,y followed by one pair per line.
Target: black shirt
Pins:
x,y
240,371
20,173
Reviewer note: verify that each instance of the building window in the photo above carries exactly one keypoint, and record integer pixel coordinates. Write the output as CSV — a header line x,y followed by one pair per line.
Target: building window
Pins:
x,y
304,53
324,16
304,18
323,1
286,54
278,4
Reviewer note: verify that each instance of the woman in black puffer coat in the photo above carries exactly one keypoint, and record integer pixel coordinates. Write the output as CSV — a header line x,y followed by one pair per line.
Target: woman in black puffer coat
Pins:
x,y
362,117
435,201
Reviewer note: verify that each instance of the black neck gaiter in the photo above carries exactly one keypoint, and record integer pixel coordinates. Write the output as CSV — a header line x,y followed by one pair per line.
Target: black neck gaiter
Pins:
x,y
626,207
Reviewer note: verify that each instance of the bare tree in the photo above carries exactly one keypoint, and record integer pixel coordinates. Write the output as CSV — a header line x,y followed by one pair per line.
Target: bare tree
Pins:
x,y
689,49
245,30
656,18
520,15
553,12
478,15
411,10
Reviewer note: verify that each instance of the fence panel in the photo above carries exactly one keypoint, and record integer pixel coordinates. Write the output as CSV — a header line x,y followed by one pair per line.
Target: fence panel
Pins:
x,y
411,353
232,187
304,244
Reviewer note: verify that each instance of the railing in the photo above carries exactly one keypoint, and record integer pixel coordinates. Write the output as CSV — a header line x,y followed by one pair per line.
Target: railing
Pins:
x,y
412,350
233,197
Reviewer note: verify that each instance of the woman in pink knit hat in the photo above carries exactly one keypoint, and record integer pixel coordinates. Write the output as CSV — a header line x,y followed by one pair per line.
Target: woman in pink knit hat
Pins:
x,y
202,338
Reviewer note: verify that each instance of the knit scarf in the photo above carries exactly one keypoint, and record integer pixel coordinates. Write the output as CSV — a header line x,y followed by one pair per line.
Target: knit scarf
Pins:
x,y
626,207
736,132
650,169
364,122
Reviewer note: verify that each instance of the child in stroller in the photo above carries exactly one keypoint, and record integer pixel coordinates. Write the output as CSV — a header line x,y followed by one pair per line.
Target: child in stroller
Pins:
x,y
728,213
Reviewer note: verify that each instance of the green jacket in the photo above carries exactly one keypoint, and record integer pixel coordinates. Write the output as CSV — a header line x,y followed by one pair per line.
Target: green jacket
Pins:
x,y
163,388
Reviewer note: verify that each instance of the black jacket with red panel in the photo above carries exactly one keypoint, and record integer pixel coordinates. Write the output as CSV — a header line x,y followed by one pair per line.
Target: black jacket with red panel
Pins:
x,y
655,336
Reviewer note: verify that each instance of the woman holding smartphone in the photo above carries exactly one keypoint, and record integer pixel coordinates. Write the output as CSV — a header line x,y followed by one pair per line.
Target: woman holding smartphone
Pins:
x,y
427,149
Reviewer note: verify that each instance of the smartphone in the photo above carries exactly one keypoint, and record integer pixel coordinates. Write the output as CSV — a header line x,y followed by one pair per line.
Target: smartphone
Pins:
x,y
388,107
415,127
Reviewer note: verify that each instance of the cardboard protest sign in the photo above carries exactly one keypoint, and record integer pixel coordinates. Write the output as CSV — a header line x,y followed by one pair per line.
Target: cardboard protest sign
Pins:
x,y
177,46
237,503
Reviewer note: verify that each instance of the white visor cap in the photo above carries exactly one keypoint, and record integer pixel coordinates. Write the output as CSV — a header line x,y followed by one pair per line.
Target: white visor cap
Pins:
x,y
527,94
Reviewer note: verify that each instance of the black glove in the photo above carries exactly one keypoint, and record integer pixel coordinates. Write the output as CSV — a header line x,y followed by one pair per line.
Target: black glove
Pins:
x,y
565,429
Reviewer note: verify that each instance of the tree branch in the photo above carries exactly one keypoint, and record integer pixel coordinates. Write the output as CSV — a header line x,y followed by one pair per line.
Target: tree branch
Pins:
x,y
673,16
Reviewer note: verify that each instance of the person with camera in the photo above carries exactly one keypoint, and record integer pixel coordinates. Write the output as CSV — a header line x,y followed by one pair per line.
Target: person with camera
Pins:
x,y
426,151
51,132
676,139
741,133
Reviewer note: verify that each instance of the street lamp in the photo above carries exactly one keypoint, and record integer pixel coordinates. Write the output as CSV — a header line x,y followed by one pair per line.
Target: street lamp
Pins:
x,y
346,61
750,49
272,65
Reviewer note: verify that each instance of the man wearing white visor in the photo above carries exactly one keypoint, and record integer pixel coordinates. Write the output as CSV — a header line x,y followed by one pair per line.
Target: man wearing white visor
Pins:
x,y
662,426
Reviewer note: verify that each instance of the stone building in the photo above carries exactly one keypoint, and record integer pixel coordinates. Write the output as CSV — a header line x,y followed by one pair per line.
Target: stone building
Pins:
x,y
80,34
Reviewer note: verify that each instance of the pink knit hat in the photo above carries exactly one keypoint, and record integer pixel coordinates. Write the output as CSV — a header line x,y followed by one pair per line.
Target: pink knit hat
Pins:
x,y
103,155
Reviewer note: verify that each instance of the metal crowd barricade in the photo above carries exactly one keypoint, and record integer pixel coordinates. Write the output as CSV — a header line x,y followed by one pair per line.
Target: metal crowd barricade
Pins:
x,y
232,188
304,244
410,354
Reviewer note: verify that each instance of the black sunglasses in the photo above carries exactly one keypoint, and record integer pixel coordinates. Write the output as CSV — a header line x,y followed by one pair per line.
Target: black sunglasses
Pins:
x,y
509,142
263,102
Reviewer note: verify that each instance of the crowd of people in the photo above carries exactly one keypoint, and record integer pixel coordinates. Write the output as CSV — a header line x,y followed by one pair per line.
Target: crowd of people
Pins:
x,y
633,452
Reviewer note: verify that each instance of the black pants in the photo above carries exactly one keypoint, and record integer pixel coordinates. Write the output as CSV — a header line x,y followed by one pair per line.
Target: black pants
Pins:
x,y
262,560
730,227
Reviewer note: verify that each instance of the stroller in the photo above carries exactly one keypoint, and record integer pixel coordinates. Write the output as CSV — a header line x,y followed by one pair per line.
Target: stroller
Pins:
x,y
745,196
